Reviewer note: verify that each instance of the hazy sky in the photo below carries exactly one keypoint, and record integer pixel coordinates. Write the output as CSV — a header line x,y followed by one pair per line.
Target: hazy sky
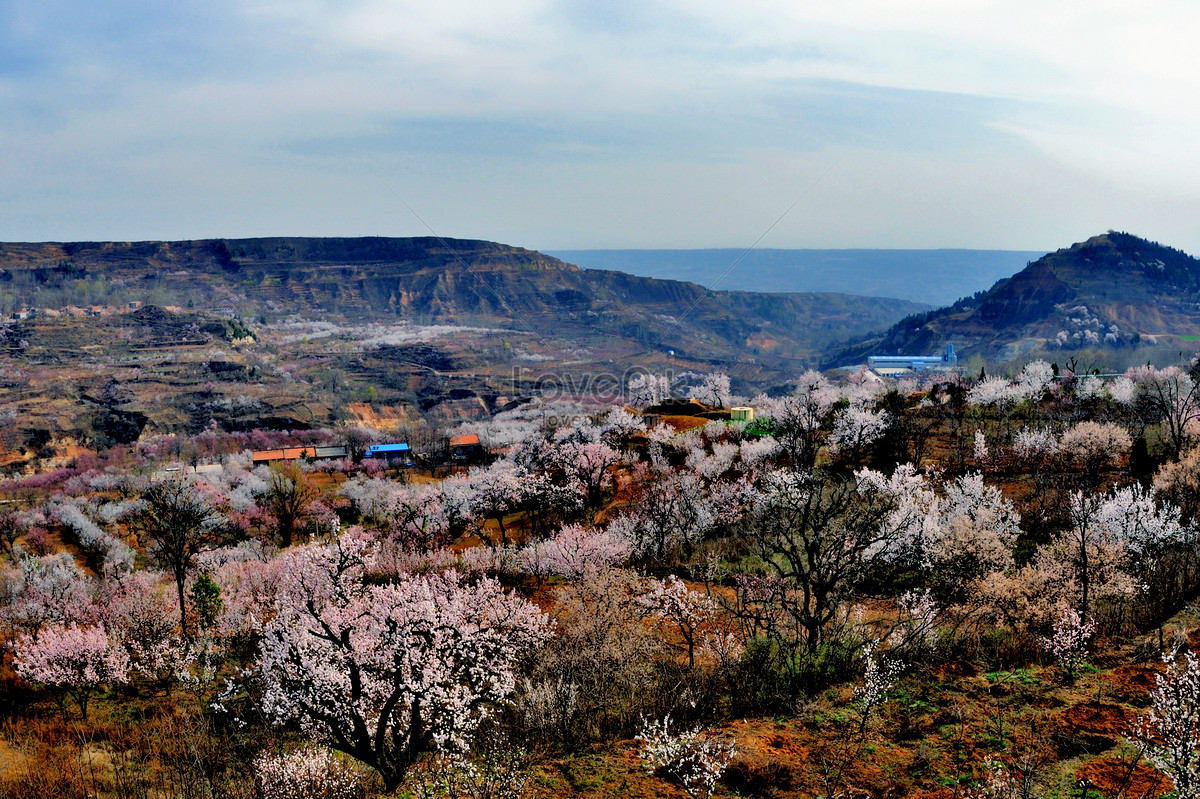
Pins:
x,y
889,123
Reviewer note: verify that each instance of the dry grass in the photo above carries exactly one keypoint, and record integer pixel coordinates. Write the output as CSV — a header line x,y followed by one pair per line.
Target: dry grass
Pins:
x,y
144,748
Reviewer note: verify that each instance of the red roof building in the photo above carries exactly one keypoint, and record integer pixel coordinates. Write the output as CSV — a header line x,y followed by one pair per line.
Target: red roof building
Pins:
x,y
465,448
285,454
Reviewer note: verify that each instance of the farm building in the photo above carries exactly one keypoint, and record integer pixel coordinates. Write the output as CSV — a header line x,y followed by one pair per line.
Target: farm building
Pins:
x,y
330,453
283,454
465,448
897,365
396,451
323,453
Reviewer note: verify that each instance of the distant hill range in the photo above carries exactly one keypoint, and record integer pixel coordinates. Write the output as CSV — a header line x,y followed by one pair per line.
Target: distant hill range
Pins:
x,y
428,280
936,277
1115,295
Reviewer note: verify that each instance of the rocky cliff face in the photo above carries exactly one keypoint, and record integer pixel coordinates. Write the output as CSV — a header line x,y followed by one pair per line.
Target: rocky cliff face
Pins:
x,y
429,280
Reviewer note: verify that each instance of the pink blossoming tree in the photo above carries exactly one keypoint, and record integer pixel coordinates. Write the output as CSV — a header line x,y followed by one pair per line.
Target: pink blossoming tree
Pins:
x,y
75,660
572,552
1068,643
589,463
389,673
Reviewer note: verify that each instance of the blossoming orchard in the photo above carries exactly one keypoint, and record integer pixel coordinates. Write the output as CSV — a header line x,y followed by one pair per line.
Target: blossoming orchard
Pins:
x,y
866,588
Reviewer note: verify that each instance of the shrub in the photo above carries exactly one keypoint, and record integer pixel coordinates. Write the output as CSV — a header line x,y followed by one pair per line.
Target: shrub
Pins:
x,y
693,757
307,773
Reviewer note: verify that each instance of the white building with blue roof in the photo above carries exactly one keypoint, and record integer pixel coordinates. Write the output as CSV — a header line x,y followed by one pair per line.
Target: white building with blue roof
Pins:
x,y
898,365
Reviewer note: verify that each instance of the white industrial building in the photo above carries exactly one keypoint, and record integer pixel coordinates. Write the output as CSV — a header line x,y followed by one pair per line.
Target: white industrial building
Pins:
x,y
900,365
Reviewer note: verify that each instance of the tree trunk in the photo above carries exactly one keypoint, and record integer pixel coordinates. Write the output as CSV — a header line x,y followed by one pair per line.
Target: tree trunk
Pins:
x,y
180,578
1083,582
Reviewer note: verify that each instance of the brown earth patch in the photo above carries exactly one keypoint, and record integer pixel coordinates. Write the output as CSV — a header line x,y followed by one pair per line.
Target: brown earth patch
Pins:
x,y
66,453
1090,728
325,481
936,793
1133,684
1194,639
956,668
1111,777
11,457
681,423
380,417
1098,718
770,759
758,775
1045,701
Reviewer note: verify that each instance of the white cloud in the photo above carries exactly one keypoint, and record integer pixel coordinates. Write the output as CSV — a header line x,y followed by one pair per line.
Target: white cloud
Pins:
x,y
653,123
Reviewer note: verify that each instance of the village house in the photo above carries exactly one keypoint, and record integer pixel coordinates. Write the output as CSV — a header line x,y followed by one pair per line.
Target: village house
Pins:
x,y
465,448
282,454
390,452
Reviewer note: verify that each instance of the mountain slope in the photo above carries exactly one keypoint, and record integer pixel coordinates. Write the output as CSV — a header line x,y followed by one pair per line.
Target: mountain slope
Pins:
x,y
430,280
1112,292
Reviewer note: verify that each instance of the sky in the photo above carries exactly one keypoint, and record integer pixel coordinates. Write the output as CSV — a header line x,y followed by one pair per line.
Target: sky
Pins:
x,y
615,124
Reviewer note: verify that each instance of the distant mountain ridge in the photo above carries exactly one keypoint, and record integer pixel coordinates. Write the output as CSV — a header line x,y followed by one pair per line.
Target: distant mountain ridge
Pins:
x,y
936,277
1112,293
438,280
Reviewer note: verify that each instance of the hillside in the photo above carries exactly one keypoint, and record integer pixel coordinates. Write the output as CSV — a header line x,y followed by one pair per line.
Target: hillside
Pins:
x,y
1114,295
296,333
937,277
633,578
428,280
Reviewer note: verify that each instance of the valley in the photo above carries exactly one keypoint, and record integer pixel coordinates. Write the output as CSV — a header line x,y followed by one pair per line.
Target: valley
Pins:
x,y
633,544
289,333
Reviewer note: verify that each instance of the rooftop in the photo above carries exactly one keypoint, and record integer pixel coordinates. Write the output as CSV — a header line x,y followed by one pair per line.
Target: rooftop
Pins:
x,y
398,447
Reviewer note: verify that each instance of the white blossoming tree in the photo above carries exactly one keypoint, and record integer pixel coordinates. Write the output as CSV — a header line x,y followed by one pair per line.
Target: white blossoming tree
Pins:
x,y
1173,397
712,390
800,417
855,430
644,390
1097,445
307,773
1169,735
1035,378
879,676
671,602
994,392
694,757
389,673
976,531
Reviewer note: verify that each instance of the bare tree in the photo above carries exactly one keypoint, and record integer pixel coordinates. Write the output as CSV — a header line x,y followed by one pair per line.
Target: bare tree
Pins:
x,y
288,497
178,522
822,535
1083,539
357,439
10,531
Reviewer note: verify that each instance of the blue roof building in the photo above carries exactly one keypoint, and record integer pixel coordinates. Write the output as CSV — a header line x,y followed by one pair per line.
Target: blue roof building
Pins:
x,y
398,450
897,364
